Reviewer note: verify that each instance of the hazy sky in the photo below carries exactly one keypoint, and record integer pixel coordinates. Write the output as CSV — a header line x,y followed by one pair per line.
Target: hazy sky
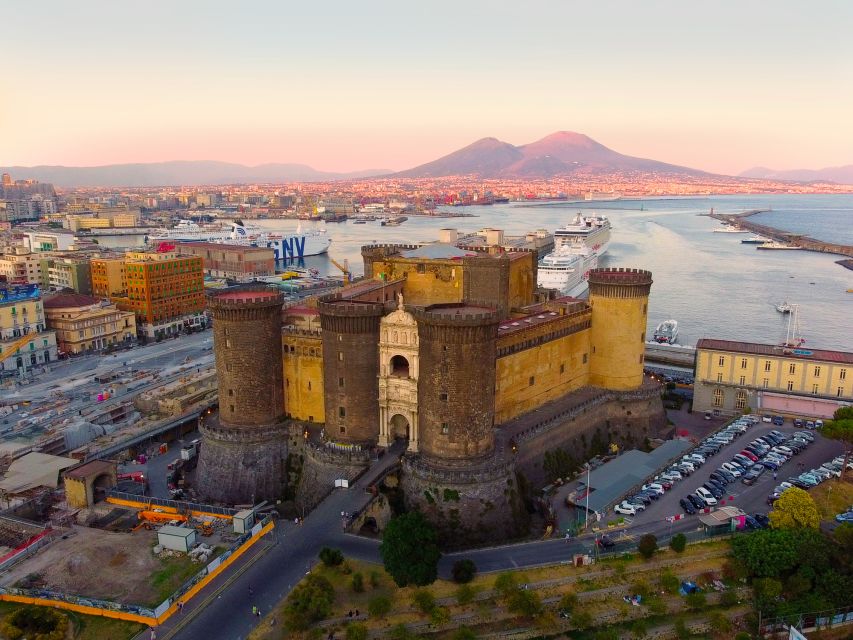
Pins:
x,y
345,85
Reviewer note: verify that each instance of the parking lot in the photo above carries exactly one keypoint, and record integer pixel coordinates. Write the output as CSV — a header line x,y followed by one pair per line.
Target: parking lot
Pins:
x,y
750,499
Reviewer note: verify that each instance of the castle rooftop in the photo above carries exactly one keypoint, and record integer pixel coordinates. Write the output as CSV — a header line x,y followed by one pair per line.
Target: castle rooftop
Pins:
x,y
247,296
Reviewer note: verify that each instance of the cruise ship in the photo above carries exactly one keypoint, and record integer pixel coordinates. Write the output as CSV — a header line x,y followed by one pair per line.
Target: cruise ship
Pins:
x,y
585,238
285,247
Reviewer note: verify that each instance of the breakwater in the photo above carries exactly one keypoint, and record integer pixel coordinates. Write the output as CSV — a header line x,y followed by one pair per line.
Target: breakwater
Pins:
x,y
794,239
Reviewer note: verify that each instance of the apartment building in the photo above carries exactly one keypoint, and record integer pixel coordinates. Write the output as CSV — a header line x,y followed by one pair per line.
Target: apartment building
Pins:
x,y
84,323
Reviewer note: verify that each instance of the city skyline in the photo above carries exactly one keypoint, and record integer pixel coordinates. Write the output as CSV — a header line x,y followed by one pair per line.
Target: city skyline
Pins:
x,y
381,86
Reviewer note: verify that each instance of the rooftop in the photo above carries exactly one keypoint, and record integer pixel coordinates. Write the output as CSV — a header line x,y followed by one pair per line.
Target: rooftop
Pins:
x,y
69,301
438,251
93,468
754,348
35,470
246,296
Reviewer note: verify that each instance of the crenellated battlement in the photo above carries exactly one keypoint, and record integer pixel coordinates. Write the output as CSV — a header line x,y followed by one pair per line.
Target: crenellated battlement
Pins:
x,y
620,282
245,303
460,314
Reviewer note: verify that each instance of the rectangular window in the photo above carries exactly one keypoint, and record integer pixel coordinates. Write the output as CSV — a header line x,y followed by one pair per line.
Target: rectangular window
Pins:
x,y
719,377
718,397
309,385
445,429
767,365
585,357
531,381
790,385
765,383
562,368
721,361
814,389
842,375
342,412
743,363
840,392
227,343
340,382
742,381
442,396
792,369
232,408
817,372
341,356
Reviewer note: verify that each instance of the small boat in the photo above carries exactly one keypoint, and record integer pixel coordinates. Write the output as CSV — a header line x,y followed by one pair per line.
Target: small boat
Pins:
x,y
666,332
754,240
729,229
784,307
776,245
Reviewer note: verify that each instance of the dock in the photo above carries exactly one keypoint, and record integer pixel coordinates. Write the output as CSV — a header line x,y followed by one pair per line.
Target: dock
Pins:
x,y
799,241
670,354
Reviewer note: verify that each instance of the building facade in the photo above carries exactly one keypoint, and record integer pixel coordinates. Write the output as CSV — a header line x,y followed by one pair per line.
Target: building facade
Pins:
x,y
25,341
165,291
70,273
733,377
109,277
235,262
84,323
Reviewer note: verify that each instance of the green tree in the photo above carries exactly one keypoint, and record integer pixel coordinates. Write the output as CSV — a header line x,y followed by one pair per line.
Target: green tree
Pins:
x,y
558,463
423,600
568,602
794,509
505,584
581,619
843,535
767,553
375,579
464,633
678,542
525,602
695,601
720,622
331,557
767,591
357,582
309,602
648,545
841,428
465,594
379,606
356,631
464,571
729,598
410,551
669,582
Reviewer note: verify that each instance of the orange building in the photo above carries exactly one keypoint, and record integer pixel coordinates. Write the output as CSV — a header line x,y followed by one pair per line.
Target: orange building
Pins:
x,y
165,291
109,277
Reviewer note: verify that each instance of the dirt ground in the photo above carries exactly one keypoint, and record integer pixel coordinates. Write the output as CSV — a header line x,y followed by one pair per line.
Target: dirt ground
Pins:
x,y
96,564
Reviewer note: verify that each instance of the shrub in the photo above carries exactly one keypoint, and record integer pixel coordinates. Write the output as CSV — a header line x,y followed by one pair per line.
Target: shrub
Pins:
x,y
525,603
641,588
719,622
357,582
356,631
648,545
39,623
743,635
309,602
681,630
669,581
695,601
400,632
505,584
331,557
423,600
678,542
439,616
639,629
568,602
463,633
464,571
729,598
656,606
465,594
581,619
375,579
379,606
607,634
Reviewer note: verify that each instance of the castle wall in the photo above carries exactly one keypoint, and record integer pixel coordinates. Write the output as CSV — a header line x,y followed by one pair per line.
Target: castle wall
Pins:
x,y
426,281
351,369
456,388
303,375
321,467
522,279
619,300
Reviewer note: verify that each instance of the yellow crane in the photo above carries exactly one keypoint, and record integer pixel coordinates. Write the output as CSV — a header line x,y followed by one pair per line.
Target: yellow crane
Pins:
x,y
16,345
344,269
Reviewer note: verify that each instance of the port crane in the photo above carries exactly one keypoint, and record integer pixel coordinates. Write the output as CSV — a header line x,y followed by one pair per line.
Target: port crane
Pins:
x,y
344,269
16,345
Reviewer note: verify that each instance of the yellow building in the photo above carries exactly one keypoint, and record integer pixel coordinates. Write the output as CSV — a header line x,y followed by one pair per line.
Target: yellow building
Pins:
x,y
22,266
25,341
731,377
109,277
84,323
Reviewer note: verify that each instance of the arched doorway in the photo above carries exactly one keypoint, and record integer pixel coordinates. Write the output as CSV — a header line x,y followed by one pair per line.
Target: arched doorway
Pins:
x,y
399,367
100,486
398,426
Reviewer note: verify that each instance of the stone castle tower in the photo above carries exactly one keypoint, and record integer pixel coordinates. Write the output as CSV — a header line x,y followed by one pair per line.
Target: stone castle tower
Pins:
x,y
457,478
351,369
619,300
244,447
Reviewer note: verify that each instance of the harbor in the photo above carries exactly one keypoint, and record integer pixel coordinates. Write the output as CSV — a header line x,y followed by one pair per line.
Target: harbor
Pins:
x,y
780,239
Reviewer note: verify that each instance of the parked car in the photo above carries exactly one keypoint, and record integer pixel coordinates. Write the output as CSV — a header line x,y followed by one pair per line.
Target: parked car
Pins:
x,y
798,422
762,519
821,472
773,497
733,469
719,477
807,435
625,509
818,424
809,424
753,474
751,523
637,504
688,507
695,501
845,517
749,454
706,496
778,421
605,541
728,475
707,415
766,419
714,491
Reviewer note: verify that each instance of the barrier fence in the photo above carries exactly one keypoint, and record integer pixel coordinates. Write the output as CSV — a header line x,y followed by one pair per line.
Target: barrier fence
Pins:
x,y
172,506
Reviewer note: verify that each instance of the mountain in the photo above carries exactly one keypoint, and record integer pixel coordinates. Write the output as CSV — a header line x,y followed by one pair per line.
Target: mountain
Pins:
x,y
841,175
561,153
177,173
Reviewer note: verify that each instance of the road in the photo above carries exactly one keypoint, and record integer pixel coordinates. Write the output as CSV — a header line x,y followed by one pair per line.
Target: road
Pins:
x,y
224,610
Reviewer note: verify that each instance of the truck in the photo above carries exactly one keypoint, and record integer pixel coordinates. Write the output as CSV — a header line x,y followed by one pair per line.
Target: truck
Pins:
x,y
189,451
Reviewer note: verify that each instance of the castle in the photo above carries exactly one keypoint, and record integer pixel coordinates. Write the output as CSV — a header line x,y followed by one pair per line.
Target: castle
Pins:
x,y
451,348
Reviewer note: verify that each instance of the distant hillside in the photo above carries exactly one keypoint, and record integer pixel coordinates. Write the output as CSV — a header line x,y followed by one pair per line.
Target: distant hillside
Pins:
x,y
177,173
841,175
561,153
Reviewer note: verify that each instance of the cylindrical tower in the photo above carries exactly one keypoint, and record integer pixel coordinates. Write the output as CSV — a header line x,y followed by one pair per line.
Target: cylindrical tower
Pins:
x,y
619,300
456,388
245,444
351,369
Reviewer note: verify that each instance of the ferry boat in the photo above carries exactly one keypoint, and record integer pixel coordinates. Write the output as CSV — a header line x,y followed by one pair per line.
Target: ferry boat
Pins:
x,y
394,221
666,332
285,247
586,238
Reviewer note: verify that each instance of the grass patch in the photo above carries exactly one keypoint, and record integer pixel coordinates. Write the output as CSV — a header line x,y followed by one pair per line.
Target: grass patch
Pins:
x,y
85,627
833,497
175,572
